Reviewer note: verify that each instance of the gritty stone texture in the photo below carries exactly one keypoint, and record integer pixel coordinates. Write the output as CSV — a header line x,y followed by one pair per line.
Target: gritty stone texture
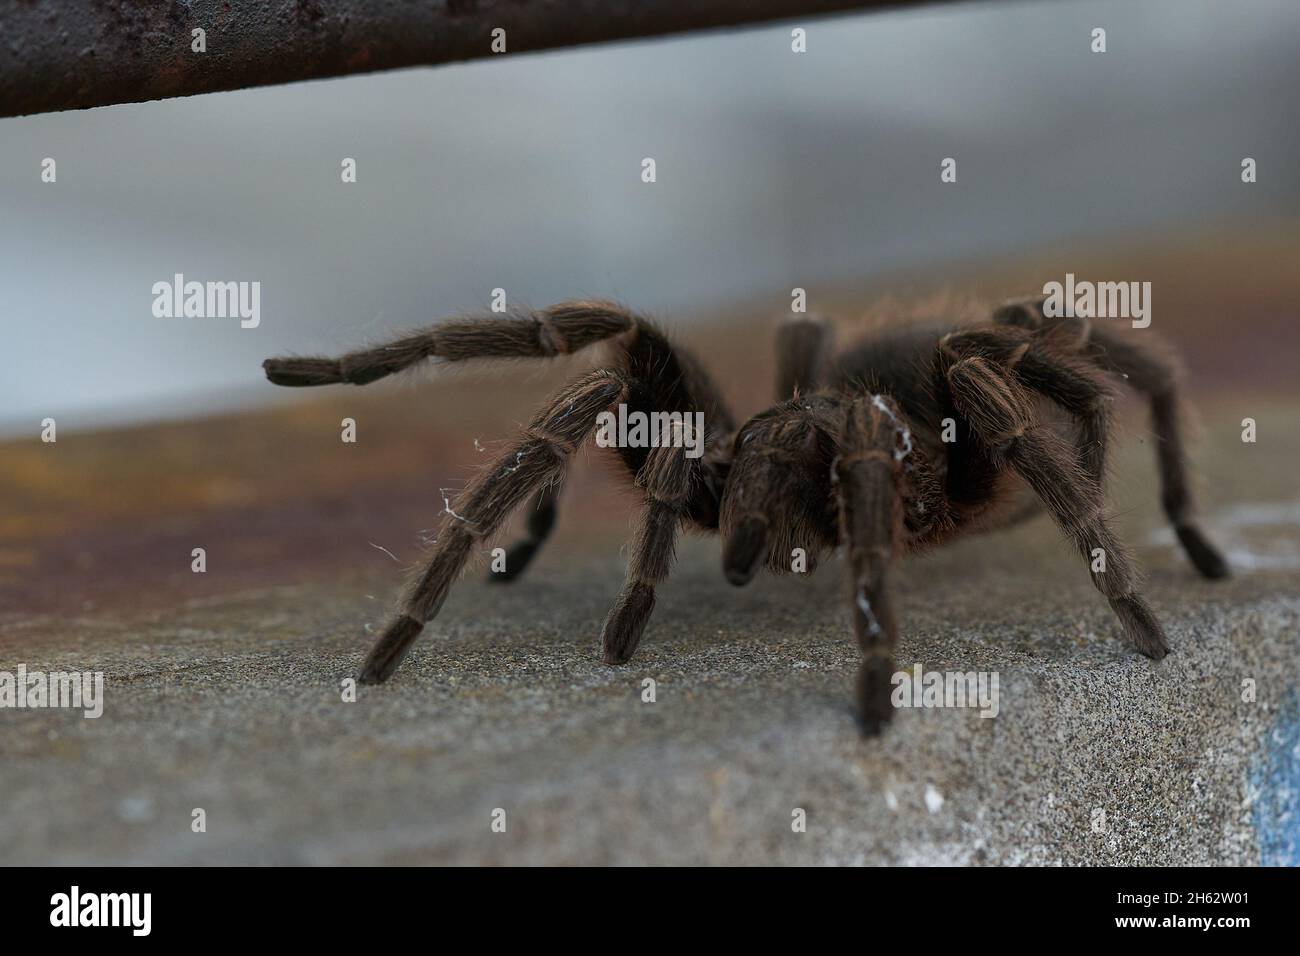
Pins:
x,y
234,706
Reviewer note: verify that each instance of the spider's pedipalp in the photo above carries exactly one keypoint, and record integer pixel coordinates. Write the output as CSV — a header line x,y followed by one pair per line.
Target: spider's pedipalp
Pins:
x,y
536,460
543,333
778,497
744,549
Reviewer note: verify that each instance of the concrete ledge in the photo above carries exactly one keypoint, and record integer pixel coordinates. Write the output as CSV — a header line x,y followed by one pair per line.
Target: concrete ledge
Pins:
x,y
238,711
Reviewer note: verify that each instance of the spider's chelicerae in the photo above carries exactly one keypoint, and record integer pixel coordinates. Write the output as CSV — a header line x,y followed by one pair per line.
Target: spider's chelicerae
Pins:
x,y
907,440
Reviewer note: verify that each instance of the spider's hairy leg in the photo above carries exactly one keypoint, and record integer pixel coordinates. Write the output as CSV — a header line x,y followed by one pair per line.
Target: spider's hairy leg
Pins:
x,y
1152,370
1158,376
667,480
558,330
1070,384
536,460
541,519
666,379
869,486
1047,363
999,412
803,345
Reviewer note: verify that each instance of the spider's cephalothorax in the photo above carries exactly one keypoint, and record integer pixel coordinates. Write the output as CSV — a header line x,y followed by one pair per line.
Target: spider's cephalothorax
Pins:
x,y
905,441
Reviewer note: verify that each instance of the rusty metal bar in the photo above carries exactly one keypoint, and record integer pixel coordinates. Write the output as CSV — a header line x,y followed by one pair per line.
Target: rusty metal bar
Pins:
x,y
74,54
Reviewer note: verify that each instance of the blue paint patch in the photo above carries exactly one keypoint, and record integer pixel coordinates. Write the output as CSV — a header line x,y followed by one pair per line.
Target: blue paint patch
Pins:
x,y
1277,781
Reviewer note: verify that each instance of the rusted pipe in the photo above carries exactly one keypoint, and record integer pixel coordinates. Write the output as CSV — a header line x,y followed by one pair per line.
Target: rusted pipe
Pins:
x,y
74,54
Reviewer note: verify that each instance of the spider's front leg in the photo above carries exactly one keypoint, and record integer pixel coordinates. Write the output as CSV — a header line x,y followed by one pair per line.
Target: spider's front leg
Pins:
x,y
537,460
870,482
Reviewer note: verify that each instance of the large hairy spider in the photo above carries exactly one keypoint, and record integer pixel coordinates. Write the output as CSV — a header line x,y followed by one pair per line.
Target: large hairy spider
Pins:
x,y
907,440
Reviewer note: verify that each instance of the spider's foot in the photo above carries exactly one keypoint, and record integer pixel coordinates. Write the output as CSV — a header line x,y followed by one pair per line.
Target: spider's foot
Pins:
x,y
1140,626
303,371
746,545
1204,555
390,650
875,708
626,621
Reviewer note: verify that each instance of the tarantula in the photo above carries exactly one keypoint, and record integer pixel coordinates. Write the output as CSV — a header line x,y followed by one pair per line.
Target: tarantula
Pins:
x,y
907,440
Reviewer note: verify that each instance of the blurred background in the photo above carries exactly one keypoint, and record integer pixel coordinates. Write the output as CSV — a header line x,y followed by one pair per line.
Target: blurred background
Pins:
x,y
775,170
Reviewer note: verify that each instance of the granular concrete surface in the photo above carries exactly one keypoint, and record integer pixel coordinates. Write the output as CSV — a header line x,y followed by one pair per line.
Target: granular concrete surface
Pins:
x,y
234,705
223,690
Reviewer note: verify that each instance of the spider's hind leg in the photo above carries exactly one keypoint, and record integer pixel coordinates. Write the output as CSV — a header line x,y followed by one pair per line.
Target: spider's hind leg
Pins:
x,y
1157,376
1152,371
